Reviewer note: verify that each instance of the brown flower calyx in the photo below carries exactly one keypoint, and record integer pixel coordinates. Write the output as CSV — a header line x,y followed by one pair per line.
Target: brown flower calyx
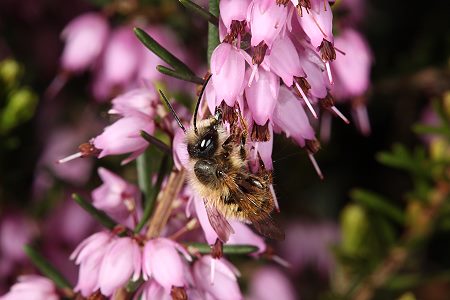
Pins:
x,y
312,146
259,52
178,293
217,249
260,133
88,149
327,51
228,113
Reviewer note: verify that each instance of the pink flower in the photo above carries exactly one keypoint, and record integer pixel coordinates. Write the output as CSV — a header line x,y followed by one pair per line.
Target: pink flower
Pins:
x,y
353,68
115,196
32,287
121,262
89,255
232,10
84,36
121,57
280,286
290,117
317,22
216,278
123,136
228,71
314,67
137,101
262,96
283,60
152,290
267,20
308,245
162,262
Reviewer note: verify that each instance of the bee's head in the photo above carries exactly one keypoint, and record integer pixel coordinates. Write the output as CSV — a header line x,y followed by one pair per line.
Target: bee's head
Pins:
x,y
204,143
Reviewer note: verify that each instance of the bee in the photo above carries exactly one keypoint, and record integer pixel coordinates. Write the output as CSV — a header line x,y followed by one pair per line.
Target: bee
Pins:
x,y
218,171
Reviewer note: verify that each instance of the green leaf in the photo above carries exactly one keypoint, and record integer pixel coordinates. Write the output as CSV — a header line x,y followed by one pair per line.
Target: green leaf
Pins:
x,y
156,142
162,53
426,129
379,204
213,31
99,215
46,268
182,76
201,12
151,197
227,249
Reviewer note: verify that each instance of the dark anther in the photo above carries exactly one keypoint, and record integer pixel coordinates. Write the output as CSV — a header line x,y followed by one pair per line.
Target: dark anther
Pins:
x,y
178,293
327,102
88,149
327,51
312,146
260,133
217,249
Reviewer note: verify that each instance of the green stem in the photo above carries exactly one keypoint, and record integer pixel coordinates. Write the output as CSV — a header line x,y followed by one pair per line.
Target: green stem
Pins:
x,y
99,215
201,12
144,175
227,249
181,76
163,53
46,268
151,199
213,31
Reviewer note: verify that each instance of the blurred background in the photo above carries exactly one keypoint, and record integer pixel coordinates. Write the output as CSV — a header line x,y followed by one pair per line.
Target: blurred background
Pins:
x,y
410,43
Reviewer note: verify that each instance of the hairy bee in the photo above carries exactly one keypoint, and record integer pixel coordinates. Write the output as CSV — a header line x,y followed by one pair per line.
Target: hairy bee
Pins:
x,y
218,171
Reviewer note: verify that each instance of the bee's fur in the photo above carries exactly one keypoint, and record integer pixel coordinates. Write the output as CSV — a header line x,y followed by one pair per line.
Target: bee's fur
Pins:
x,y
218,172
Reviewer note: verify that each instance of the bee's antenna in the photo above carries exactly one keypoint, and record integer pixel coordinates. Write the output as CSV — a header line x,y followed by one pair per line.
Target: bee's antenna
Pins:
x,y
172,111
198,102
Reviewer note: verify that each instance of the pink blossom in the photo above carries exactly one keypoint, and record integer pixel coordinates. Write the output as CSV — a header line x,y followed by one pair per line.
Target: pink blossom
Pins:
x,y
353,68
317,22
152,290
217,278
32,287
115,196
162,262
232,10
123,136
89,255
262,96
290,117
283,60
267,20
84,36
270,283
228,71
314,67
136,101
15,232
309,245
121,261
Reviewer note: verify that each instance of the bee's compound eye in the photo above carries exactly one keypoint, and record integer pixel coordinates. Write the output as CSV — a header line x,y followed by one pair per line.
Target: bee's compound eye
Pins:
x,y
205,143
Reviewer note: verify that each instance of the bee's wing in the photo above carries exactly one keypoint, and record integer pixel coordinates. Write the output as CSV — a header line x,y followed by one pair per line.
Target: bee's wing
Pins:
x,y
254,197
218,222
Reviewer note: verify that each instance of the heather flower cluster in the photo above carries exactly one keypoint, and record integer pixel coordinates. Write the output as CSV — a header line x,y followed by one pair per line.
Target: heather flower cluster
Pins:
x,y
278,65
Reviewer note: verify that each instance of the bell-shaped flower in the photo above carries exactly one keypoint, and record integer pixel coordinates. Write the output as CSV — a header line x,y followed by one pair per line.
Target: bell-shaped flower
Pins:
x,y
121,262
267,20
280,286
314,67
136,101
353,68
217,278
283,60
89,255
153,290
115,196
32,287
317,22
162,262
123,136
290,117
262,96
84,37
228,73
232,10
